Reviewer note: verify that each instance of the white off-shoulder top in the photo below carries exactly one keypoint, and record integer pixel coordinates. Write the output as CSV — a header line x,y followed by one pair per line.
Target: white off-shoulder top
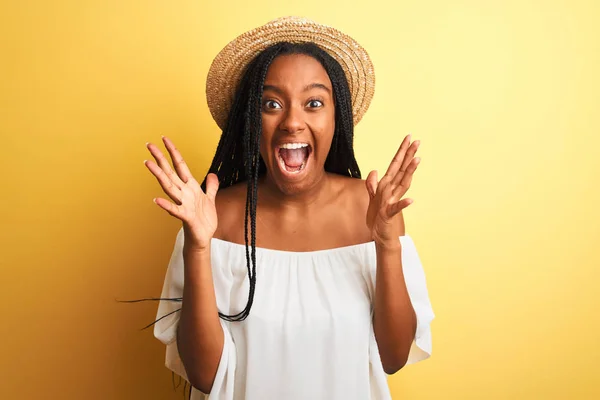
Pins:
x,y
309,334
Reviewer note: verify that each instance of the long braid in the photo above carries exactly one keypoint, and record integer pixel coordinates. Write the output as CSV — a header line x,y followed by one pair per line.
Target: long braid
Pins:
x,y
257,72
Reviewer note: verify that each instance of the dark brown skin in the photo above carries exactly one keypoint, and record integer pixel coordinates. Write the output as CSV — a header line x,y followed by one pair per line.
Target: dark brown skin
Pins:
x,y
312,211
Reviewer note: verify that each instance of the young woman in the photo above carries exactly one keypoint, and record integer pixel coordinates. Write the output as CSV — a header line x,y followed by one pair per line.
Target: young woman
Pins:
x,y
291,277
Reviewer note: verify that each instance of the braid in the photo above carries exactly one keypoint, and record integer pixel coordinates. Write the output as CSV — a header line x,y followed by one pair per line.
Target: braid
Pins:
x,y
256,74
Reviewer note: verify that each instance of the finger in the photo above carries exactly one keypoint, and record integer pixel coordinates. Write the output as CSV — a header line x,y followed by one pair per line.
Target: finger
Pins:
x,y
395,208
165,182
408,158
404,184
410,154
371,183
163,163
212,186
178,162
169,207
410,170
398,158
386,192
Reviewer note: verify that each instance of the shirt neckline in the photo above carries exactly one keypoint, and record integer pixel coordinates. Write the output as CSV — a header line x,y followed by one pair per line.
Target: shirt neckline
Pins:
x,y
348,248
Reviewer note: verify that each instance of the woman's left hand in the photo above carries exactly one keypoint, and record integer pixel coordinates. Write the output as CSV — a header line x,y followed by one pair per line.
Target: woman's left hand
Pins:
x,y
386,196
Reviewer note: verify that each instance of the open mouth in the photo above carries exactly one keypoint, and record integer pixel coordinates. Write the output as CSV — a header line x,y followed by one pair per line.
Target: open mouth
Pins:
x,y
293,157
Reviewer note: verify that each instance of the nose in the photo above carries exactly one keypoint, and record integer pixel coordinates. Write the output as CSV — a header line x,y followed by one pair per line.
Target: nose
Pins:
x,y
292,121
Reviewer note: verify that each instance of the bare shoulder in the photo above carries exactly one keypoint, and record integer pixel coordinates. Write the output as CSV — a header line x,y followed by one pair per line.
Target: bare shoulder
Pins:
x,y
353,202
352,190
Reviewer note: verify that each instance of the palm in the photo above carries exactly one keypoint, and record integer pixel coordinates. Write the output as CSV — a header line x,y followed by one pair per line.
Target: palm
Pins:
x,y
191,205
198,210
386,196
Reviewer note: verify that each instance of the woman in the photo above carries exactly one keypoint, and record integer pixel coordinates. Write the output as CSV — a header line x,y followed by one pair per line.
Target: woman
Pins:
x,y
282,244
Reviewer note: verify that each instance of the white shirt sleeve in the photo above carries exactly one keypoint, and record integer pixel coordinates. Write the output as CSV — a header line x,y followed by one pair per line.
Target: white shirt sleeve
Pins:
x,y
416,284
168,315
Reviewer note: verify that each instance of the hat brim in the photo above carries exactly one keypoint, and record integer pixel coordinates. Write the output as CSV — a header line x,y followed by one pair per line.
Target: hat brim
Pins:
x,y
229,65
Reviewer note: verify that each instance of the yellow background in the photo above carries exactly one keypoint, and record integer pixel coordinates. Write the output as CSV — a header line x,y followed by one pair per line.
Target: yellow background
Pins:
x,y
504,95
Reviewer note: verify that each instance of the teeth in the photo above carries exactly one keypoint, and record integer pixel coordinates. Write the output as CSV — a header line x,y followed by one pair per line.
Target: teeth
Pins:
x,y
294,145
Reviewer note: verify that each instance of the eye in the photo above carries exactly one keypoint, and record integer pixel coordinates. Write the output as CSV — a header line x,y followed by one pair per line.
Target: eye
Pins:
x,y
314,103
272,105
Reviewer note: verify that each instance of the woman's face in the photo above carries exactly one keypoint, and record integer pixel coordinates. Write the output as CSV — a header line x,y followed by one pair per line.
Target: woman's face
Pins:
x,y
298,121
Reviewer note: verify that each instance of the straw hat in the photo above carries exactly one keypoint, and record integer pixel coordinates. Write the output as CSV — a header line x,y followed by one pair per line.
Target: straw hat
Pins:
x,y
229,65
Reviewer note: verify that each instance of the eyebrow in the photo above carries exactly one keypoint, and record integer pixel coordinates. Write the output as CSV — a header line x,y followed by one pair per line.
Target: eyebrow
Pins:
x,y
316,86
306,88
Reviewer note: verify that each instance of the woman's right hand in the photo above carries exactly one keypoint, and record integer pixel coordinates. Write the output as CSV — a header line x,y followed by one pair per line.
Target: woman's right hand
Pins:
x,y
192,206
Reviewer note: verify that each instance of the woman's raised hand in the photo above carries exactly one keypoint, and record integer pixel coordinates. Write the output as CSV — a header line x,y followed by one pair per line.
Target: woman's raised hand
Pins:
x,y
191,205
387,195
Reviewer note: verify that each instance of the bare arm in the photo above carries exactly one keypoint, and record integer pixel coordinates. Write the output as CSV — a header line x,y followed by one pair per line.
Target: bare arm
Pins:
x,y
199,335
394,319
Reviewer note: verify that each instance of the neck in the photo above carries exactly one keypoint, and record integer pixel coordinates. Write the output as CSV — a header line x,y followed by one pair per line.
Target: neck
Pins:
x,y
271,195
